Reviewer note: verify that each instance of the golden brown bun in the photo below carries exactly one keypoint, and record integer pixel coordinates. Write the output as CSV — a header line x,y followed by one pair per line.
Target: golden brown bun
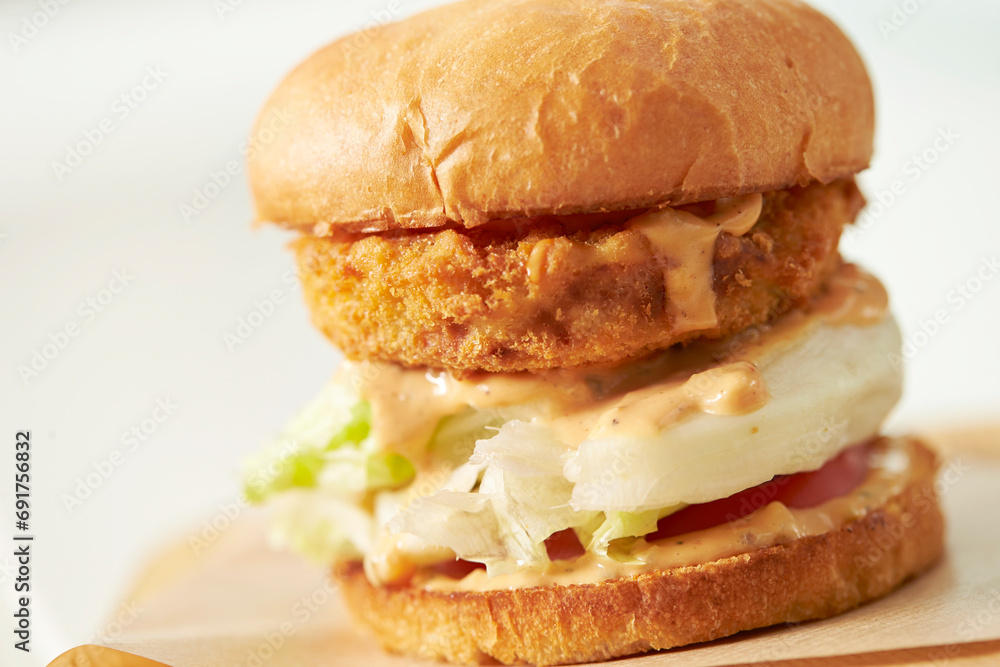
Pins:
x,y
466,300
491,109
810,578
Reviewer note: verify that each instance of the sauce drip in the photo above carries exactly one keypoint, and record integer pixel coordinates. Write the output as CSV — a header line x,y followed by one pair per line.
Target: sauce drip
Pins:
x,y
853,297
407,405
683,244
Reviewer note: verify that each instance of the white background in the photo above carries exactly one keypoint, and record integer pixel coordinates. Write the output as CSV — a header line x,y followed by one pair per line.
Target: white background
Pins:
x,y
162,336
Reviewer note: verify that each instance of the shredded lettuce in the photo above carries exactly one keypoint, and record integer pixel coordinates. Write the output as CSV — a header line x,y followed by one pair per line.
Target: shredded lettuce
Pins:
x,y
327,445
503,491
320,525
455,438
521,500
615,536
622,524
389,471
356,430
318,474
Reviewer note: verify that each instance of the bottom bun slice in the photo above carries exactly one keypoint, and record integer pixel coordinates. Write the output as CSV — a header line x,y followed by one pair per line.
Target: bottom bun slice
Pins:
x,y
807,578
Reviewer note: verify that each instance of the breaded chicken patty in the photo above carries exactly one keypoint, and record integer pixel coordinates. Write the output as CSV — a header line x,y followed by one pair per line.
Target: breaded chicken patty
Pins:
x,y
518,297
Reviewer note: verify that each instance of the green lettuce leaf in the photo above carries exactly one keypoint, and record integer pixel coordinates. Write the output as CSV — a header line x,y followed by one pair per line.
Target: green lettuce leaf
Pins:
x,y
618,525
327,445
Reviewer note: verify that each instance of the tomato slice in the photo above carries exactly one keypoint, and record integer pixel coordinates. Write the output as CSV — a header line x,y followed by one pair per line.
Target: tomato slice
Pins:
x,y
457,569
838,477
564,545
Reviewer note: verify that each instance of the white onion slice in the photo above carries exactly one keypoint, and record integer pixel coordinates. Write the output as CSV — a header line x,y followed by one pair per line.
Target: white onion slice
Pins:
x,y
831,388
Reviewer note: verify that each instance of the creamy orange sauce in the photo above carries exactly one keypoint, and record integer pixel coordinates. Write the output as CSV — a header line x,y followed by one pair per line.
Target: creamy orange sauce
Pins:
x,y
397,557
583,257
732,389
683,245
406,410
642,397
853,297
894,463
679,243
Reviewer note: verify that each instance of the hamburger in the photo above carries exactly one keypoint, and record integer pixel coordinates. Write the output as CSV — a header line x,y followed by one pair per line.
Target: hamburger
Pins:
x,y
609,386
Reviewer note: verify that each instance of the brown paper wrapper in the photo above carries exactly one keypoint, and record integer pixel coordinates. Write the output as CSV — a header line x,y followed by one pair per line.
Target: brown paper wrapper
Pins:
x,y
235,602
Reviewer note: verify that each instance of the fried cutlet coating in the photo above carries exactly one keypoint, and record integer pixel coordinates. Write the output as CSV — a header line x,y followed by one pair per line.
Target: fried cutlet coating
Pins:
x,y
468,300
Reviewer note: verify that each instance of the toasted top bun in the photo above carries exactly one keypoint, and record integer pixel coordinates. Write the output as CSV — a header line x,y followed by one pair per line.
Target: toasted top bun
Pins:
x,y
496,109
